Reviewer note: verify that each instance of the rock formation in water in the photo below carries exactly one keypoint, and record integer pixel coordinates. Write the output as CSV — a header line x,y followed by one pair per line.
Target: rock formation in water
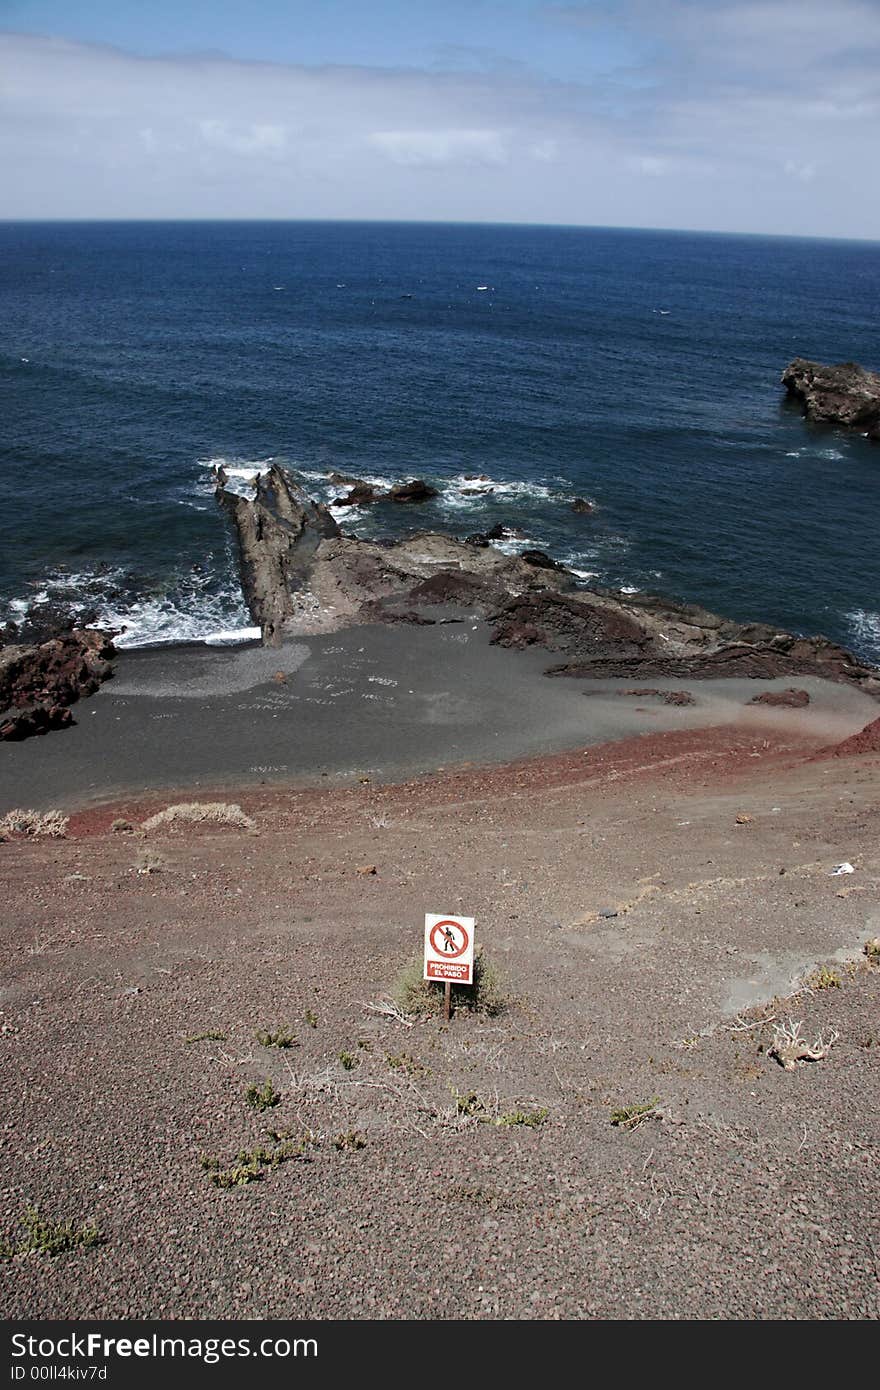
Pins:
x,y
39,683
843,395
301,574
279,531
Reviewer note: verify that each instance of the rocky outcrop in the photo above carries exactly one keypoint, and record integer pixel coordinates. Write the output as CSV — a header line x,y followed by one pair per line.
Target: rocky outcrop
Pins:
x,y
783,699
603,634
580,504
302,575
362,494
39,683
415,491
279,531
843,395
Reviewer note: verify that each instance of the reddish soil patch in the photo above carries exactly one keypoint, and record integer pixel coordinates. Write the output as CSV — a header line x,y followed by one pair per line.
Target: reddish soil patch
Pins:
x,y
866,741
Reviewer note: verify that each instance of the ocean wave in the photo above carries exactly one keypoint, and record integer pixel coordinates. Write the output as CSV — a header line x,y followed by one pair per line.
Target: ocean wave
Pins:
x,y
472,490
865,629
241,474
195,607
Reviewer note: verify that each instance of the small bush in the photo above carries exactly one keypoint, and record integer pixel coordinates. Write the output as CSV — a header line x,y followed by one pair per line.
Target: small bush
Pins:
x,y
405,1062
532,1119
471,1106
149,862
631,1116
311,1018
51,1237
352,1139
121,827
824,979
210,1036
348,1060
280,1038
197,812
421,998
872,950
262,1097
35,823
238,1176
251,1165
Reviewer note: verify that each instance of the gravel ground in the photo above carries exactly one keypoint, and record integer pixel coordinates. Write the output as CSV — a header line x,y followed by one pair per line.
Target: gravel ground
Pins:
x,y
640,928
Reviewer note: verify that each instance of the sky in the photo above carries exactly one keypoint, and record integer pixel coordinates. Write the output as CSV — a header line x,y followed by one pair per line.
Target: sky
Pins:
x,y
717,115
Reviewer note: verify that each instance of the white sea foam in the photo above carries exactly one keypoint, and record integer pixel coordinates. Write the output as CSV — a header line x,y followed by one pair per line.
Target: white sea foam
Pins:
x,y
194,608
464,491
241,474
234,638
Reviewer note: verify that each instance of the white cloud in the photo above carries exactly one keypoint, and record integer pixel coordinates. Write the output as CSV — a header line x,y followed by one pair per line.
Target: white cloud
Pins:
x,y
431,148
649,164
805,173
89,131
247,137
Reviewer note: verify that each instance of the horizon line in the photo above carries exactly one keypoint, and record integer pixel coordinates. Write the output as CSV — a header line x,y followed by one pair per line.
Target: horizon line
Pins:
x,y
86,220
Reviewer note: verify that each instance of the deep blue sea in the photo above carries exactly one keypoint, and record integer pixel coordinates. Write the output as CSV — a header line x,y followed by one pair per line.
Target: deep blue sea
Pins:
x,y
637,369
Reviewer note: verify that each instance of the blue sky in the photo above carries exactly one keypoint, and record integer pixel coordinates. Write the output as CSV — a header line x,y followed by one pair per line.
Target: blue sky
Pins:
x,y
424,34
739,115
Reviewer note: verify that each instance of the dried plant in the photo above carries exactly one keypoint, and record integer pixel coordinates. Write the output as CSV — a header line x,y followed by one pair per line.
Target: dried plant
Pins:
x,y
789,1046
197,812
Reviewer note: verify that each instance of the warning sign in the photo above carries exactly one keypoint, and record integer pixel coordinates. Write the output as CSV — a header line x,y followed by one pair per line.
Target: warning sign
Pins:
x,y
449,948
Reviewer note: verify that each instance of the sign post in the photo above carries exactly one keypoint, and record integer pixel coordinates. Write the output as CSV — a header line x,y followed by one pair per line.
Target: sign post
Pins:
x,y
449,953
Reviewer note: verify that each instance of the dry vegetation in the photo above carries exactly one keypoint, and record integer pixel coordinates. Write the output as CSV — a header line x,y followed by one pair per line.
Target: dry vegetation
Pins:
x,y
199,812
38,823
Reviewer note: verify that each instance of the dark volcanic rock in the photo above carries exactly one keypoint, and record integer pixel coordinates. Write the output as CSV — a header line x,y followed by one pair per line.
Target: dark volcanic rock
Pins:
x,y
541,560
784,699
641,637
495,533
580,504
301,575
360,496
37,683
562,622
415,491
279,531
455,586
843,395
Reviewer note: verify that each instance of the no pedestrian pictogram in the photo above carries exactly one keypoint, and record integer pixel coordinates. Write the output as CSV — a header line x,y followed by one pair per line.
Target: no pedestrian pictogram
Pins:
x,y
449,948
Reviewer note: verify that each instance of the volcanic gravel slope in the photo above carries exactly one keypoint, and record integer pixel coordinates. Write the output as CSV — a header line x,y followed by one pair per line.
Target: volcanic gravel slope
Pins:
x,y
748,1190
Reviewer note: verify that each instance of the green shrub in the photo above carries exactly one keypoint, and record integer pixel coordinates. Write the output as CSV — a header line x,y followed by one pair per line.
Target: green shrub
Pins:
x,y
50,1237
280,1038
262,1097
421,998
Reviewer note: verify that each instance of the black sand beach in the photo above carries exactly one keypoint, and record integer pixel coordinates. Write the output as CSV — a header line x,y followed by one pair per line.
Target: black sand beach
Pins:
x,y
384,702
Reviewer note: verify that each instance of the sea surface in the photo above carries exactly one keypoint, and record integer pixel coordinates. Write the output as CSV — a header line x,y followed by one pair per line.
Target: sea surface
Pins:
x,y
515,368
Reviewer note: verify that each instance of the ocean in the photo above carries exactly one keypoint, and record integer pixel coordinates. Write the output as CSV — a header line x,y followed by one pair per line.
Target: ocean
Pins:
x,y
514,368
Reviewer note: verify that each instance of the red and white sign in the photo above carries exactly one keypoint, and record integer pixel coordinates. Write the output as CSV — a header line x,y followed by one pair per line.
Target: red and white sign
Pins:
x,y
449,948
